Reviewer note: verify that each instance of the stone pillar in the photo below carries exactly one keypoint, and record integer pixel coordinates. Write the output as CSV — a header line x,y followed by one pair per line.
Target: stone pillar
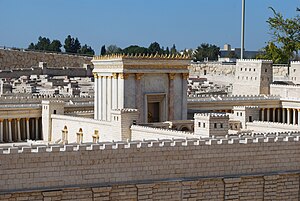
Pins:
x,y
262,114
171,97
294,117
185,76
104,98
274,115
109,94
288,115
278,115
139,96
19,130
27,128
36,136
95,96
100,99
268,114
115,91
121,78
1,130
283,115
9,130
298,117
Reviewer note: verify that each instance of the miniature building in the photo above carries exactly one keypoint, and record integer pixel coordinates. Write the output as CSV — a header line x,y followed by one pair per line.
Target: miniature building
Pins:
x,y
295,72
252,77
211,124
246,114
155,85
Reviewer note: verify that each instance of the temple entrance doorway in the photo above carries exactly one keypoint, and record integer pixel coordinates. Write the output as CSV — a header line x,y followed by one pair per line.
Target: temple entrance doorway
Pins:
x,y
155,107
153,112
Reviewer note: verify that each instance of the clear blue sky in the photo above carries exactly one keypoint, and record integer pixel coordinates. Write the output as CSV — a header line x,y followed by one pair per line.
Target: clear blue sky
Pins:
x,y
187,23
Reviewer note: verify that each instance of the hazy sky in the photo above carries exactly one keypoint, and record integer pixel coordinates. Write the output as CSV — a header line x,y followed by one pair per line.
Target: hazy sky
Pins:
x,y
187,23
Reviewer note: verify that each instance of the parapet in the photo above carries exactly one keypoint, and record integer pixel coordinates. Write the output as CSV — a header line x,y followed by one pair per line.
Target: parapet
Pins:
x,y
254,60
210,115
124,110
244,107
277,137
143,56
295,62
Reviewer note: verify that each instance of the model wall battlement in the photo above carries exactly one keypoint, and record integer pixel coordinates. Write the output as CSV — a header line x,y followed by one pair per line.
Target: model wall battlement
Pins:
x,y
162,143
254,61
285,86
295,62
244,107
232,98
142,56
211,115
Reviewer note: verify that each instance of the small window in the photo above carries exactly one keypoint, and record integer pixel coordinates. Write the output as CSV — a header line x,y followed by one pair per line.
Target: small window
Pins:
x,y
266,70
241,114
238,77
245,69
254,69
215,125
199,124
249,69
203,125
54,112
241,69
221,125
237,114
294,70
250,119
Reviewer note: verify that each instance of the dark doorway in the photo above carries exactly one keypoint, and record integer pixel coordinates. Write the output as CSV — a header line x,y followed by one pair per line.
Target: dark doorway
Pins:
x,y
153,112
250,119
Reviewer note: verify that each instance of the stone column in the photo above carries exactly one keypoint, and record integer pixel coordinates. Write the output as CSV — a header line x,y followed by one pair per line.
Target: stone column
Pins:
x,y
283,115
185,76
298,117
96,96
9,130
171,96
139,96
278,115
100,98
109,94
115,91
104,98
1,130
36,128
121,80
268,114
19,129
294,117
288,115
262,114
274,115
27,128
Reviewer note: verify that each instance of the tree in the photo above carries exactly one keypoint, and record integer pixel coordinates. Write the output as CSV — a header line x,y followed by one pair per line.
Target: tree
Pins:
x,y
135,49
206,50
113,49
173,50
72,45
87,50
285,36
154,48
55,46
272,52
167,51
103,50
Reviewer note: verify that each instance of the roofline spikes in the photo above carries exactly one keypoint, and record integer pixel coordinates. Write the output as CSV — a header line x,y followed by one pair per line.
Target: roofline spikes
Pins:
x,y
142,56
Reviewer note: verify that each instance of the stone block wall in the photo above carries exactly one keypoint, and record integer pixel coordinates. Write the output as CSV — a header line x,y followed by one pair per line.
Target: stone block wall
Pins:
x,y
253,168
13,59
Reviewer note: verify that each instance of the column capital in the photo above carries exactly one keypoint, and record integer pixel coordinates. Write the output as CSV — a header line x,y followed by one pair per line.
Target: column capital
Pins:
x,y
288,109
1,120
123,75
185,76
138,76
172,76
115,75
95,75
27,119
9,120
18,119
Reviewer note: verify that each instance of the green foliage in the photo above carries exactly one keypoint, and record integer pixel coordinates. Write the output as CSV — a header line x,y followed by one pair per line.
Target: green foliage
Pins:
x,y
285,42
87,50
173,50
113,49
167,51
274,53
72,45
103,50
154,48
135,49
44,44
232,54
206,50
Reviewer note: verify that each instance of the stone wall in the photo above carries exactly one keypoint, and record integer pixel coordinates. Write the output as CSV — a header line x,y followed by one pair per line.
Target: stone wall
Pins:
x,y
12,59
261,126
254,167
285,91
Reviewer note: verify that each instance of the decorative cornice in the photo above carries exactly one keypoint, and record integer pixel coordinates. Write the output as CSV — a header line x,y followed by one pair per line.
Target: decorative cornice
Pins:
x,y
143,56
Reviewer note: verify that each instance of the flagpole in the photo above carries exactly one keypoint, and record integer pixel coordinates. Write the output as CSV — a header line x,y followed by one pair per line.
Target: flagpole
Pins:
x,y
243,30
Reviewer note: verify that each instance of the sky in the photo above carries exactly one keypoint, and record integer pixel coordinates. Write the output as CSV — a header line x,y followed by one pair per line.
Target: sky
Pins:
x,y
186,23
